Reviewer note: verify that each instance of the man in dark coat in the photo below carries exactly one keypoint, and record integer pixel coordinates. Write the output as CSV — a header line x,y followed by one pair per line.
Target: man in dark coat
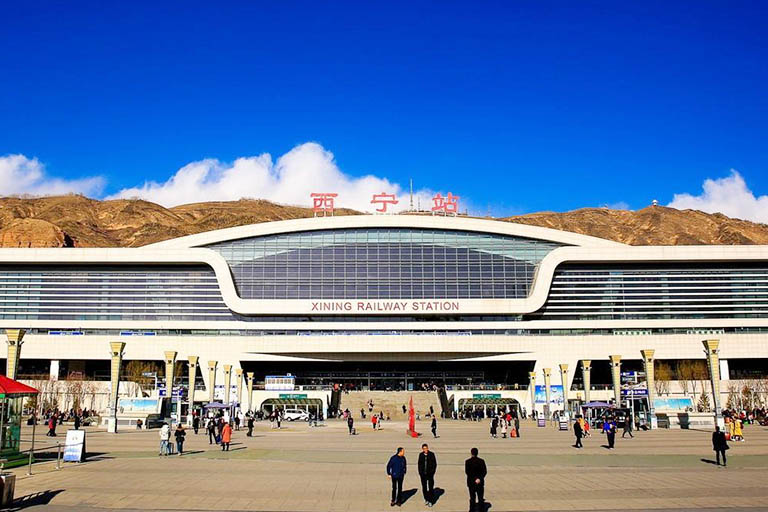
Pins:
x,y
427,469
610,432
578,432
434,427
475,469
517,426
396,469
719,444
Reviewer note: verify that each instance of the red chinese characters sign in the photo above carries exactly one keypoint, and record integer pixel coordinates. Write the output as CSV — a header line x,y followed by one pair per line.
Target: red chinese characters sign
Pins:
x,y
384,200
323,201
447,204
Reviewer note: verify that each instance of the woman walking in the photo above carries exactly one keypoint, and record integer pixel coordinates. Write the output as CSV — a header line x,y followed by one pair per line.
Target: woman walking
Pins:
x,y
179,434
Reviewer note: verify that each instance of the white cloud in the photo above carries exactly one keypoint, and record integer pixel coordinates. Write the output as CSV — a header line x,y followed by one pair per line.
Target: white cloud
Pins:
x,y
305,169
21,175
729,195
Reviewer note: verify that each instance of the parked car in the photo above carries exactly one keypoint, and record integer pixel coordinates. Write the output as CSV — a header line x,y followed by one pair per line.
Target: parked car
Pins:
x,y
296,415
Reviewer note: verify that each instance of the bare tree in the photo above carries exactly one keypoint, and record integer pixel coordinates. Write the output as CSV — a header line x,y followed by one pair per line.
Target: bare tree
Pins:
x,y
663,374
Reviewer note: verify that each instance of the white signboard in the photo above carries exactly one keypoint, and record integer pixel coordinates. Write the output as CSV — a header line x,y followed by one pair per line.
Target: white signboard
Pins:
x,y
74,447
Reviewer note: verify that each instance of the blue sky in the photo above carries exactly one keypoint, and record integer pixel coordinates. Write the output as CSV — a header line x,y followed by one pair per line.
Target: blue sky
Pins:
x,y
515,106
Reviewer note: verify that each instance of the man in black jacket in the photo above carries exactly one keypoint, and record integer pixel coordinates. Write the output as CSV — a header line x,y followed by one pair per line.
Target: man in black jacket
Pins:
x,y
719,444
427,469
475,469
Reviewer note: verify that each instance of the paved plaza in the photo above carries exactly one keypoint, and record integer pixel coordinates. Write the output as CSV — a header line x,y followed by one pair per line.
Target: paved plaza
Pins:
x,y
324,469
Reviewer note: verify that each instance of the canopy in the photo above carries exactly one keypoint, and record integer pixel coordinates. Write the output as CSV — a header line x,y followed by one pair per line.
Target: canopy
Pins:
x,y
593,405
215,405
10,388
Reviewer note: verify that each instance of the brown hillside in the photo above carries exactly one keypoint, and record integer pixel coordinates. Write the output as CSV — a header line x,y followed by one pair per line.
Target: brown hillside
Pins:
x,y
654,225
76,221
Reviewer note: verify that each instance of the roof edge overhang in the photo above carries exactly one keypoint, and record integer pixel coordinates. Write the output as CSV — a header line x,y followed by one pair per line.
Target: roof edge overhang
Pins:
x,y
386,221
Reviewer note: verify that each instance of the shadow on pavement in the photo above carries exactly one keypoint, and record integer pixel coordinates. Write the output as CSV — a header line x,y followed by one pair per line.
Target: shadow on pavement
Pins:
x,y
406,495
709,461
33,500
436,495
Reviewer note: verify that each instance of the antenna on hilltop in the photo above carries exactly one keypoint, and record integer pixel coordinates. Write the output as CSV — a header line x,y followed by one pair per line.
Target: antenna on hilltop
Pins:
x,y
655,202
411,194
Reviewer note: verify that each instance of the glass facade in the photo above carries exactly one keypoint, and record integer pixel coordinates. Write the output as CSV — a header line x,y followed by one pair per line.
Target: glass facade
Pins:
x,y
657,291
144,292
380,263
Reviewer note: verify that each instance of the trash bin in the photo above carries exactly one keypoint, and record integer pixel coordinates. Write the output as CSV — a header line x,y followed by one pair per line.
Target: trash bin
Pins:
x,y
8,484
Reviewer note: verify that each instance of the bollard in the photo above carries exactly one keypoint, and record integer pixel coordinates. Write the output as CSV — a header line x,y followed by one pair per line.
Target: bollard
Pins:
x,y
58,455
29,468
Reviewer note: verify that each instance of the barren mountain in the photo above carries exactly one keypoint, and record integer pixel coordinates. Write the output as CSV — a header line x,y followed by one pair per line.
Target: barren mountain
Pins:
x,y
76,221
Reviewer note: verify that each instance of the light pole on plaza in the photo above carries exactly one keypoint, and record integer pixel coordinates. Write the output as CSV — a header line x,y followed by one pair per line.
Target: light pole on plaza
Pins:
x,y
532,386
712,350
547,375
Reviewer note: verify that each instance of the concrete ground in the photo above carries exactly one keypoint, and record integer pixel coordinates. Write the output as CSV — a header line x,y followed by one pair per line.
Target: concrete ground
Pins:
x,y
324,469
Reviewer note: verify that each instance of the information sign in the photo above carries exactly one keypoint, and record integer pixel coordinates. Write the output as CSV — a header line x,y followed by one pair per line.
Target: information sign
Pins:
x,y
74,446
486,395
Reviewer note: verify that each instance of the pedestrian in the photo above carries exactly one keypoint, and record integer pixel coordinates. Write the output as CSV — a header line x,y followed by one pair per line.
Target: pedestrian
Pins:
x,y
517,426
195,422
77,421
494,426
434,427
738,435
396,469
475,469
212,436
427,468
627,427
165,437
404,409
350,424
250,426
51,427
373,421
609,427
179,435
578,432
226,437
503,428
720,445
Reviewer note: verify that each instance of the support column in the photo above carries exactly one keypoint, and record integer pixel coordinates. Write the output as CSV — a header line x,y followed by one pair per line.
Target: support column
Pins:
x,y
532,387
14,339
616,377
192,377
239,377
116,353
53,371
211,379
170,364
712,350
227,382
547,375
586,371
564,379
650,382
250,390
